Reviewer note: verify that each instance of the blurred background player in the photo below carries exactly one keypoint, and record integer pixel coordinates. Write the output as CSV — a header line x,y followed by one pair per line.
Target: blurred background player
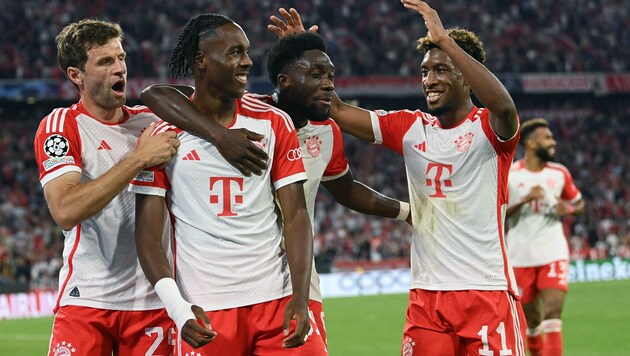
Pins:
x,y
541,192
229,259
303,77
87,156
457,164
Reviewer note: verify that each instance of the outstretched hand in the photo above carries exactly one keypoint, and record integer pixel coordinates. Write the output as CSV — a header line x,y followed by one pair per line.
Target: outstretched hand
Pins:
x,y
289,25
437,33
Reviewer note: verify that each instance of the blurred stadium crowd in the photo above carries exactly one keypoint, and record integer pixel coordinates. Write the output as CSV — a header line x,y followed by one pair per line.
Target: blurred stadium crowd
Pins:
x,y
364,38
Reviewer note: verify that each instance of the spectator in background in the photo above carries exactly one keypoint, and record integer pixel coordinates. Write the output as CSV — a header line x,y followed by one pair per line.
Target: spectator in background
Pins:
x,y
540,194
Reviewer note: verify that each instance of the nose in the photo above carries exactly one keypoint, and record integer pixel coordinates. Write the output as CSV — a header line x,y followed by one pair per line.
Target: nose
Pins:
x,y
328,83
246,61
121,67
429,79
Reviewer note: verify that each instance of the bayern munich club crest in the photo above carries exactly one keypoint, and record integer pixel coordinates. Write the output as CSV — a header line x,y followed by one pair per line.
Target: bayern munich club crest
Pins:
x,y
63,349
56,146
407,348
313,145
464,142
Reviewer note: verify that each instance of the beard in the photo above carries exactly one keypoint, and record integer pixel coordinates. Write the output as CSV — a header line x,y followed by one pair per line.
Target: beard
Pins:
x,y
316,115
544,154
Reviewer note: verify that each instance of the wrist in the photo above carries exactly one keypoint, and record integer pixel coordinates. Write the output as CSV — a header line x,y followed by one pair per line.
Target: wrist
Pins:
x,y
403,213
176,306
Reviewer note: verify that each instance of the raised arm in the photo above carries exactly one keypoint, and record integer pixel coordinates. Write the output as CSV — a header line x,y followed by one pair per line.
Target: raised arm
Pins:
x,y
487,88
359,197
298,237
71,202
235,145
150,217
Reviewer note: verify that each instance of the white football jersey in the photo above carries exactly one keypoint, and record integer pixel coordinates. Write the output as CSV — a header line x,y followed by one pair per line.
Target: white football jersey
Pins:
x,y
101,267
324,159
321,144
228,233
457,180
535,233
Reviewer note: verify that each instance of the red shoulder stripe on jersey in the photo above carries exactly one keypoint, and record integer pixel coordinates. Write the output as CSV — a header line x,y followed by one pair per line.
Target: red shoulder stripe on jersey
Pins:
x,y
558,167
137,109
259,106
164,126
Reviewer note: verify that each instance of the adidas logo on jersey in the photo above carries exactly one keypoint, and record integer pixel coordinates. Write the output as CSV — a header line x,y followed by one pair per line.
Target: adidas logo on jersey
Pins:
x,y
192,156
422,146
75,292
104,146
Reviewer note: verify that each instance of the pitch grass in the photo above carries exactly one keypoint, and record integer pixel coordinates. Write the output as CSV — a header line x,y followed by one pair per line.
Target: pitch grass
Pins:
x,y
596,323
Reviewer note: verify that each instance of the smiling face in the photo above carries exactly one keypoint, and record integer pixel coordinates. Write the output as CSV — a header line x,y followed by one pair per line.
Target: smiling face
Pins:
x,y
103,80
443,84
222,64
307,87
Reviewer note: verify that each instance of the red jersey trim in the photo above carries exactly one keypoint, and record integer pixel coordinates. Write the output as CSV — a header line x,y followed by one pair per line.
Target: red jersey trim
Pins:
x,y
70,268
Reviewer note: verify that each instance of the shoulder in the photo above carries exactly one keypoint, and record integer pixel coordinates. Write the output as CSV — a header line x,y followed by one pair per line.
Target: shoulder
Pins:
x,y
163,126
256,109
554,166
59,120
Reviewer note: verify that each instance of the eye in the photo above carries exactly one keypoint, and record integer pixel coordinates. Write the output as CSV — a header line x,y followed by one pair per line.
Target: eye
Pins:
x,y
316,75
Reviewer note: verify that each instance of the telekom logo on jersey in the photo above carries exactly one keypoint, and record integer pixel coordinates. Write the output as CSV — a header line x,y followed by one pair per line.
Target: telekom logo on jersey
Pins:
x,y
437,180
225,197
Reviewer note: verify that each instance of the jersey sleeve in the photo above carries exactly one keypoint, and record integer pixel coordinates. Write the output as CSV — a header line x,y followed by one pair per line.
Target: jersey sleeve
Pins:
x,y
338,164
153,180
287,164
57,145
390,127
501,146
570,191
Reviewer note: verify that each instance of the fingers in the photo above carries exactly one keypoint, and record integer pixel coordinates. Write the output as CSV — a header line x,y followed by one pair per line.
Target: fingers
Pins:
x,y
298,337
198,332
148,131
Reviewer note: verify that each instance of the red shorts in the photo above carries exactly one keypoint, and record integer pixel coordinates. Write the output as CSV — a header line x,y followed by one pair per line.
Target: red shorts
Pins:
x,y
531,280
253,330
468,322
79,331
316,311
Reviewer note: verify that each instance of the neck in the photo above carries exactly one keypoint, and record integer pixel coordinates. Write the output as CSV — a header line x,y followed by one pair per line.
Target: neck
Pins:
x,y
299,120
532,162
453,117
219,110
100,113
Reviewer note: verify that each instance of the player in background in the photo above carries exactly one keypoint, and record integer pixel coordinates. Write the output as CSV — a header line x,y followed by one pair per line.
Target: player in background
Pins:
x,y
303,77
541,192
87,156
463,297
230,266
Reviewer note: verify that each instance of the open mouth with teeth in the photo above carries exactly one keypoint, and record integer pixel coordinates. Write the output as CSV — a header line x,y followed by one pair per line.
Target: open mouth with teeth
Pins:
x,y
242,78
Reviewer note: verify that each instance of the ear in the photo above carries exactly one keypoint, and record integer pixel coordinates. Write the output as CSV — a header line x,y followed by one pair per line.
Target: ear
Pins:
x,y
75,75
284,81
199,61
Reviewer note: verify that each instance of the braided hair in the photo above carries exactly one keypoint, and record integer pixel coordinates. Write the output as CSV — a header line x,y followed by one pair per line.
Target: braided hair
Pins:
x,y
200,27
288,50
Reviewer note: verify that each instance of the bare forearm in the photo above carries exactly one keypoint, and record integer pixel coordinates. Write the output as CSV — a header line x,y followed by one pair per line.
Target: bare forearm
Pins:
x,y
299,245
365,200
351,119
172,106
82,201
149,230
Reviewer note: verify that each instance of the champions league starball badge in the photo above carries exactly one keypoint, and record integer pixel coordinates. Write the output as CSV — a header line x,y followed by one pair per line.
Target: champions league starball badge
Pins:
x,y
56,146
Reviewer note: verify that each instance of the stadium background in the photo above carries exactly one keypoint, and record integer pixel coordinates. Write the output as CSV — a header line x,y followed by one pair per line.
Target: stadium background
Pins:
x,y
570,66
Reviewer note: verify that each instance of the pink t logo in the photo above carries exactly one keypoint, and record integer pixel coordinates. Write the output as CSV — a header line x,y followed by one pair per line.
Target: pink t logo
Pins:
x,y
438,178
227,194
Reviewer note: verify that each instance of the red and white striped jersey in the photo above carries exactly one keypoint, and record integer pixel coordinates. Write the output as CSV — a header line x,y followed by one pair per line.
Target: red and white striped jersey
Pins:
x,y
457,179
101,267
535,234
321,144
228,232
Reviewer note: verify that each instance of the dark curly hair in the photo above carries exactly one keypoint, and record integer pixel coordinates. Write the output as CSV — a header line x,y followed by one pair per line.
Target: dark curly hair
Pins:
x,y
466,39
529,126
77,38
200,27
288,50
